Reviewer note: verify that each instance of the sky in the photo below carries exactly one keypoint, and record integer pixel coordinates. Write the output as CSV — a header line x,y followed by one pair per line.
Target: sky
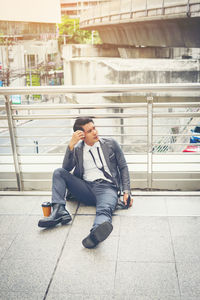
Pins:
x,y
45,11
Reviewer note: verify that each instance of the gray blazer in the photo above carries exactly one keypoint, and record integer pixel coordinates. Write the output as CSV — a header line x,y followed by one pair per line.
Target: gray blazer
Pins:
x,y
114,158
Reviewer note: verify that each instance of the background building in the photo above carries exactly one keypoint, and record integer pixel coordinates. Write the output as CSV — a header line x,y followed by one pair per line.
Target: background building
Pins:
x,y
27,39
74,8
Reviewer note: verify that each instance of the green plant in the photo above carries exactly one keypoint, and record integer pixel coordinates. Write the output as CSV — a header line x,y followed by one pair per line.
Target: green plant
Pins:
x,y
74,35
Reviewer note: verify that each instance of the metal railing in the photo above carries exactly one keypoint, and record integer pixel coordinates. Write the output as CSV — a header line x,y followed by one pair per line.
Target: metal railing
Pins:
x,y
118,10
34,137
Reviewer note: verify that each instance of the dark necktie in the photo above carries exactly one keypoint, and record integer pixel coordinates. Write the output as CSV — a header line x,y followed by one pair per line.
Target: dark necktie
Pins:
x,y
102,169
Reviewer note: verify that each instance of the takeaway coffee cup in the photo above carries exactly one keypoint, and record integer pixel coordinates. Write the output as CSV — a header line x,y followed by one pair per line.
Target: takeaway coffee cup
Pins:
x,y
46,207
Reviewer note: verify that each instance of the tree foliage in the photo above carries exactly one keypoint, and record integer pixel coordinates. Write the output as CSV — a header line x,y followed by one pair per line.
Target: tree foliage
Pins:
x,y
74,35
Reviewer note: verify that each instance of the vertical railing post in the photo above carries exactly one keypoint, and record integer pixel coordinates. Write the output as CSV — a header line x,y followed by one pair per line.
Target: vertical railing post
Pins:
x,y
13,144
146,8
120,9
99,12
121,110
188,9
149,140
163,7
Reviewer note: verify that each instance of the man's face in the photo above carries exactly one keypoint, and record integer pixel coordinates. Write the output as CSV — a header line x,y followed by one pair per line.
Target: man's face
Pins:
x,y
91,134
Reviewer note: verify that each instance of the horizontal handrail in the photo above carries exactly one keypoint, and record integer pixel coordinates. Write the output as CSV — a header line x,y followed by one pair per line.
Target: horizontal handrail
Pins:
x,y
92,89
108,135
78,106
45,106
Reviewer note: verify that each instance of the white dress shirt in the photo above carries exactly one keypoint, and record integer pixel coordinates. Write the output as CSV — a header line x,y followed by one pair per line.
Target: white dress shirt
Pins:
x,y
91,172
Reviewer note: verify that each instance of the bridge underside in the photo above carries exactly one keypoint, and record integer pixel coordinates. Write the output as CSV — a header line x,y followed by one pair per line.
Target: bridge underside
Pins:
x,y
183,32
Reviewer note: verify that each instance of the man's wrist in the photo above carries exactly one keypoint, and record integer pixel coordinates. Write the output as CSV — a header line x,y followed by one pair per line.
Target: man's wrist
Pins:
x,y
71,146
127,192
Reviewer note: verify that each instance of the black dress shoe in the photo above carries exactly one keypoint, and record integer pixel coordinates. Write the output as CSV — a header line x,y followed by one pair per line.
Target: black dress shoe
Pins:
x,y
99,234
59,215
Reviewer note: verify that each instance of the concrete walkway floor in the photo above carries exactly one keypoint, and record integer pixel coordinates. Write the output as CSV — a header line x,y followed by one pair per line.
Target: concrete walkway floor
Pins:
x,y
153,252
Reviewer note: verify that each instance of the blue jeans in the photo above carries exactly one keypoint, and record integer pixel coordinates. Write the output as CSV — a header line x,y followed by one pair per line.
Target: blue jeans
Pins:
x,y
101,194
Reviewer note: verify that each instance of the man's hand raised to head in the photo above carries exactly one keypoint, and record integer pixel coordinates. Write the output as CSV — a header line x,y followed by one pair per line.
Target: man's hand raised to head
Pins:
x,y
76,137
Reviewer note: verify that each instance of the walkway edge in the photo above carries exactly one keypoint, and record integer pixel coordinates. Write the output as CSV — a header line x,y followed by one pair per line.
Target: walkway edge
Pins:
x,y
134,193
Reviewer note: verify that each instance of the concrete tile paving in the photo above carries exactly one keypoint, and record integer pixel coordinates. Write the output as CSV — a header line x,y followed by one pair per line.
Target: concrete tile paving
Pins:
x,y
152,253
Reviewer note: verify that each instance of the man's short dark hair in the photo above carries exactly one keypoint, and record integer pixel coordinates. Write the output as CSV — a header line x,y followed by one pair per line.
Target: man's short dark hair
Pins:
x,y
80,122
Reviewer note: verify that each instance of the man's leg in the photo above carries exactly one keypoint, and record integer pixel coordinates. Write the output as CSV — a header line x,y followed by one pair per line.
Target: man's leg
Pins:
x,y
106,201
80,189
106,197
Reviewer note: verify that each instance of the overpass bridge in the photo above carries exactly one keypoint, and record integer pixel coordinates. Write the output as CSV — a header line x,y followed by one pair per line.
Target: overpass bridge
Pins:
x,y
149,23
